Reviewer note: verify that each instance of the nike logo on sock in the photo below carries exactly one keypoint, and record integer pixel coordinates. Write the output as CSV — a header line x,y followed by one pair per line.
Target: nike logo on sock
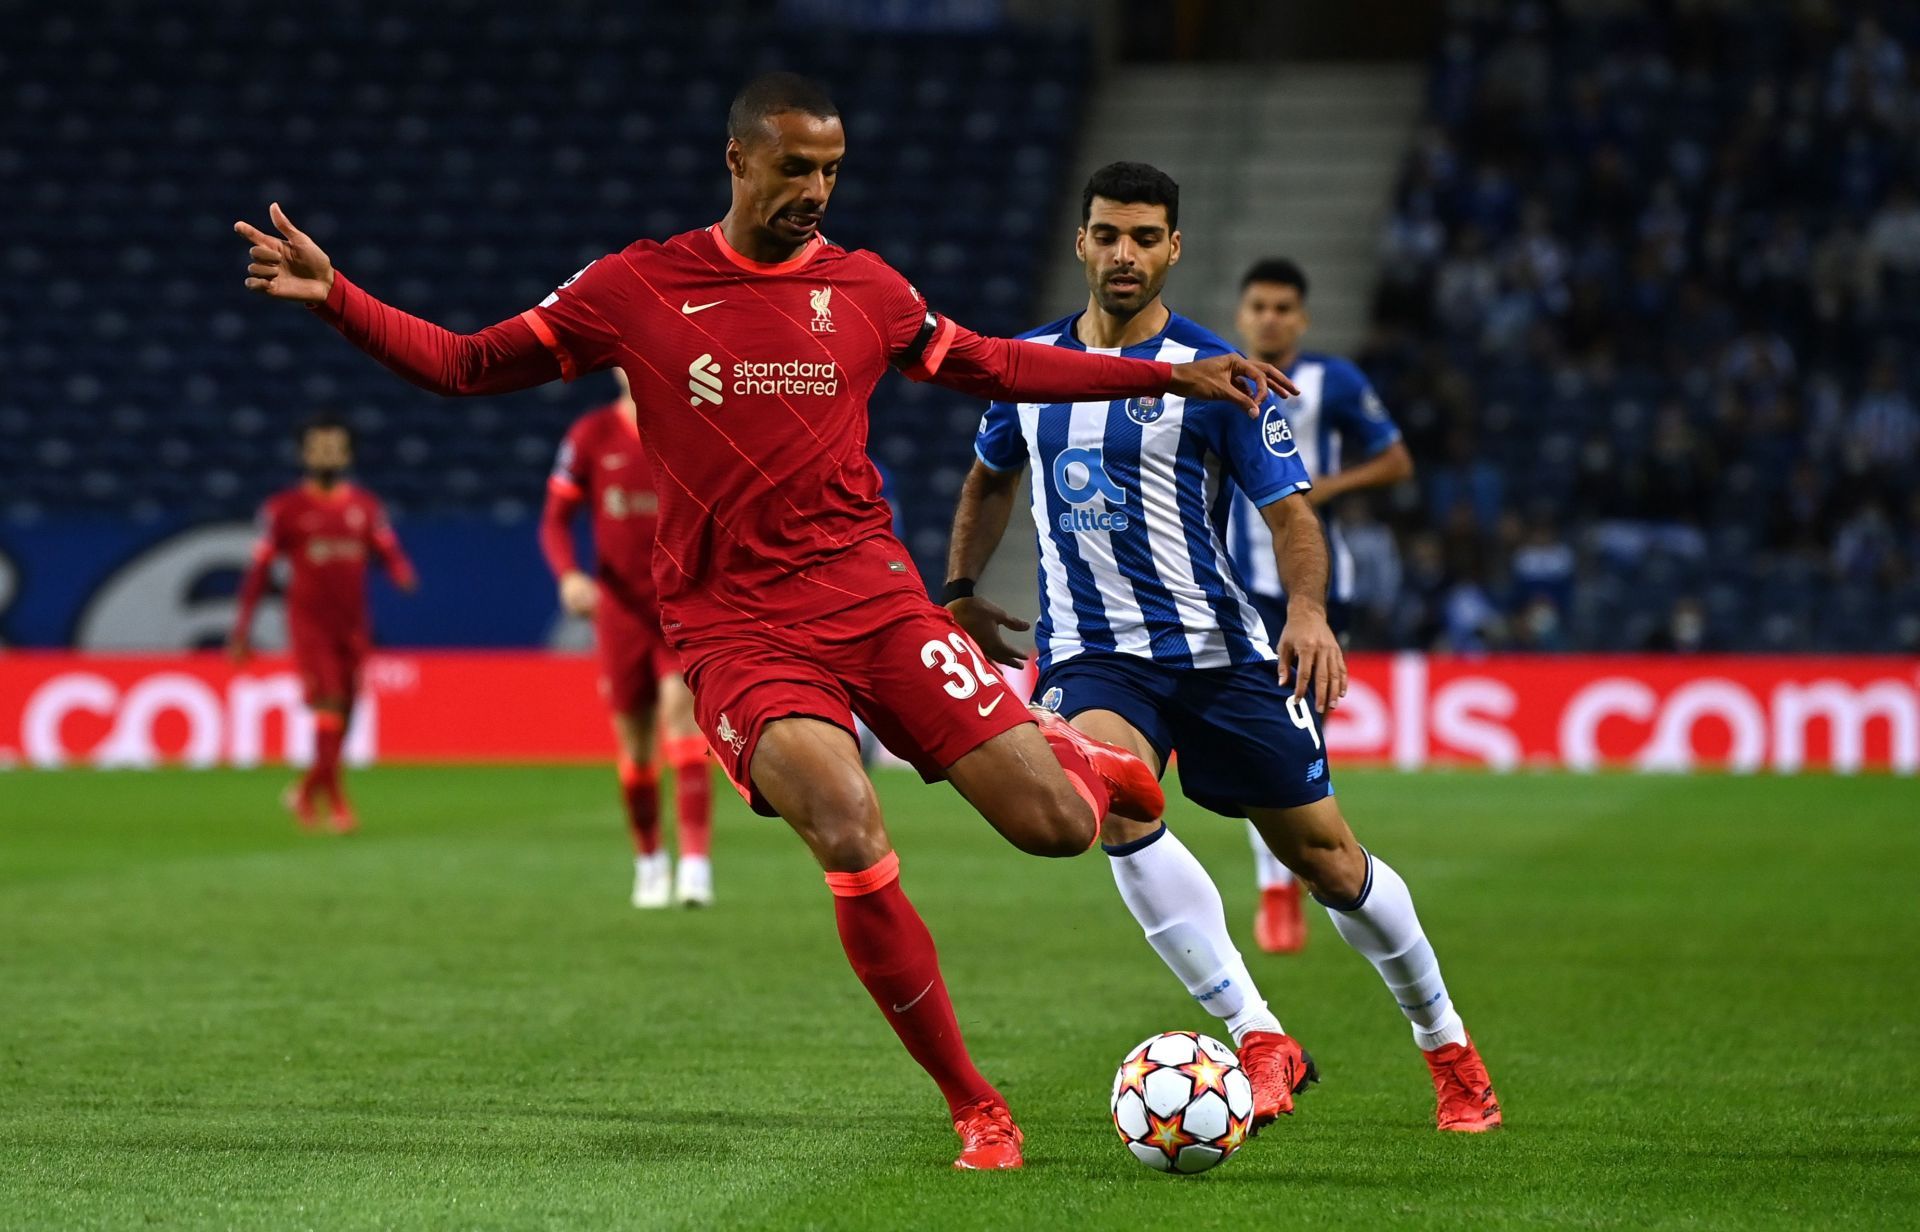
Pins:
x,y
901,1009
690,309
992,706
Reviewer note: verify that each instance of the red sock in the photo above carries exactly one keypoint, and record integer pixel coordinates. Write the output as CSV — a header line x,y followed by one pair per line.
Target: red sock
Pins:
x,y
329,729
640,788
891,951
692,792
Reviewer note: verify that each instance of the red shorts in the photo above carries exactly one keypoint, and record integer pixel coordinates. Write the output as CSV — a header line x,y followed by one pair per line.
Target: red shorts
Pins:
x,y
896,660
634,655
328,659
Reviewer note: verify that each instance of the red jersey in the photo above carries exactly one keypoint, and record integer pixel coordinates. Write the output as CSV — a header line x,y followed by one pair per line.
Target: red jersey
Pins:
x,y
327,535
751,382
603,463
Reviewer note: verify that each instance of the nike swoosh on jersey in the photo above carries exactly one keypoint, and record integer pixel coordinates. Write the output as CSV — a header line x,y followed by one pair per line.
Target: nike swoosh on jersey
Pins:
x,y
992,706
901,1009
690,309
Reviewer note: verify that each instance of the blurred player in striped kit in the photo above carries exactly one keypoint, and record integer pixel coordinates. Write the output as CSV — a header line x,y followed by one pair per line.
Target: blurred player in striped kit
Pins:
x,y
1347,442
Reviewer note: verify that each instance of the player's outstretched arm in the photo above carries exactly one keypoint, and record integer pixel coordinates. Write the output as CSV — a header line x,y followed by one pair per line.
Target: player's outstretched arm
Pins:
x,y
1309,652
501,358
1012,370
979,523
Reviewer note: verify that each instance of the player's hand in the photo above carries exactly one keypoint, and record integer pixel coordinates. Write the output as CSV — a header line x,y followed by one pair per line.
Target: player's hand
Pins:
x,y
983,620
238,650
1311,654
1231,378
286,268
578,594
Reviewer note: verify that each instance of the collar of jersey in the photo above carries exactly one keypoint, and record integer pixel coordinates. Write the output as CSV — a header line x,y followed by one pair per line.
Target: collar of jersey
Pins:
x,y
334,496
807,252
1070,337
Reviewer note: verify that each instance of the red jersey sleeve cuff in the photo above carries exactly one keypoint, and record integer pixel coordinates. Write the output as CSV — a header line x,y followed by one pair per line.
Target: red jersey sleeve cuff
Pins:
x,y
550,340
335,305
564,488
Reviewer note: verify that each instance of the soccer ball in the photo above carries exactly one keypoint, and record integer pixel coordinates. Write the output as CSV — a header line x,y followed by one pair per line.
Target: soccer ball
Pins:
x,y
1181,1102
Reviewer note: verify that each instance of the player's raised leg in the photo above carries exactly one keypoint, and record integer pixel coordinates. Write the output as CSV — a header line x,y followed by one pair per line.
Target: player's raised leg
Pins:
x,y
1279,922
1178,907
1373,912
684,749
810,772
640,796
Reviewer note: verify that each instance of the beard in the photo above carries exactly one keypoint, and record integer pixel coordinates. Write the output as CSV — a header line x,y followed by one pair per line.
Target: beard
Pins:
x,y
325,476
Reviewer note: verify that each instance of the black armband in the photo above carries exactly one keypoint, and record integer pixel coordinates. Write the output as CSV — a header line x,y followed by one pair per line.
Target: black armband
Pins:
x,y
957,588
908,357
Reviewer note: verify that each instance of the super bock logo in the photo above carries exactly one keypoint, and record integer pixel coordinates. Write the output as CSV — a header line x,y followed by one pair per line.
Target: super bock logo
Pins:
x,y
1276,435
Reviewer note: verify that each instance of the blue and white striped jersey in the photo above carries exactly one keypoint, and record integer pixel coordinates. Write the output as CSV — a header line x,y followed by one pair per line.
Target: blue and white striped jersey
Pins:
x,y
1337,415
1130,504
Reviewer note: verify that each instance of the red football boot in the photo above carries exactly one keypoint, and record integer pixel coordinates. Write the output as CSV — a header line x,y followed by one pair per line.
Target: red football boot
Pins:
x,y
1467,1104
1131,788
1279,1069
343,820
1280,925
989,1140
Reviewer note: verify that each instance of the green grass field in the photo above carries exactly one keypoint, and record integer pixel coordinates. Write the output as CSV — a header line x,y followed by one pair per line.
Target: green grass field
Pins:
x,y
1699,998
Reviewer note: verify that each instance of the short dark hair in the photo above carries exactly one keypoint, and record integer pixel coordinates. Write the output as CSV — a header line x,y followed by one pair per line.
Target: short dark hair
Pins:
x,y
769,95
324,421
1132,184
1282,270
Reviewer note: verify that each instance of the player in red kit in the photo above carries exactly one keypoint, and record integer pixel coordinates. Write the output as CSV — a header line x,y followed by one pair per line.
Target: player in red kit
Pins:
x,y
603,466
753,346
326,527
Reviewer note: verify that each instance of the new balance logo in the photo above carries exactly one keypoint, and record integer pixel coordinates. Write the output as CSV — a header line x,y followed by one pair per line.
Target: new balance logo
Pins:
x,y
703,378
1316,770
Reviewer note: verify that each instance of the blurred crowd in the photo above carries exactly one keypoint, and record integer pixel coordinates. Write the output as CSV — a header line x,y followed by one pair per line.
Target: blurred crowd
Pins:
x,y
1650,294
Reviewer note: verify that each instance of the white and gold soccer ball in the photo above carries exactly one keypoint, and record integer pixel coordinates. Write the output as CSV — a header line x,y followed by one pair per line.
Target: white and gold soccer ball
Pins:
x,y
1182,1103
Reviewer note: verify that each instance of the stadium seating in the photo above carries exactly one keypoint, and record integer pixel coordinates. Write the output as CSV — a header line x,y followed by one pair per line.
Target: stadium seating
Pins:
x,y
1648,290
459,159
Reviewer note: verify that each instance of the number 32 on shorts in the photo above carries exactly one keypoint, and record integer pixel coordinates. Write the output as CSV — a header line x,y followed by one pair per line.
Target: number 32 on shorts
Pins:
x,y
961,663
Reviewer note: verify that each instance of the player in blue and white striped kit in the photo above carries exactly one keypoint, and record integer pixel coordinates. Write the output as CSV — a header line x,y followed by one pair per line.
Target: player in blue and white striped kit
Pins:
x,y
1347,442
1147,640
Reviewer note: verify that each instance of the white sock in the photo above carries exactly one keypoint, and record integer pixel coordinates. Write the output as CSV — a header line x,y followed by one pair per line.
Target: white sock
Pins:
x,y
1179,908
1268,872
1382,925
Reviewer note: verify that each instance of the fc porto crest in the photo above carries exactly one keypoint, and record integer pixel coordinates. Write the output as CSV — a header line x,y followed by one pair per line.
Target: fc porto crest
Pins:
x,y
1145,410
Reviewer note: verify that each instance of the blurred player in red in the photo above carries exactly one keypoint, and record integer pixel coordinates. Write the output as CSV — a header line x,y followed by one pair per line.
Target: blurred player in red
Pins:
x,y
326,527
603,465
753,346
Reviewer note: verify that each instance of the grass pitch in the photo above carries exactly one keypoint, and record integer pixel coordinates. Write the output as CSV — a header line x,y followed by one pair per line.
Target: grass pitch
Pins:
x,y
1698,998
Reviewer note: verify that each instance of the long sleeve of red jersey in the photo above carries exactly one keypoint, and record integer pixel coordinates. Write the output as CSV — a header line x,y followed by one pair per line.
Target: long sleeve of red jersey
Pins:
x,y
499,359
556,528
1010,370
252,586
393,557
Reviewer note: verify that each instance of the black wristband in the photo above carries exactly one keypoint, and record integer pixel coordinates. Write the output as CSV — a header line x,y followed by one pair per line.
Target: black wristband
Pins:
x,y
957,588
